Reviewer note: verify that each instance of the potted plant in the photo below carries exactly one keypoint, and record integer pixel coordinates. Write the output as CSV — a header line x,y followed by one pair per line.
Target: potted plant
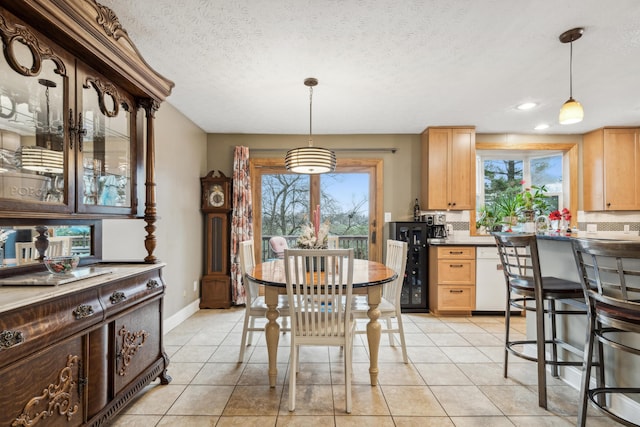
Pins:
x,y
488,219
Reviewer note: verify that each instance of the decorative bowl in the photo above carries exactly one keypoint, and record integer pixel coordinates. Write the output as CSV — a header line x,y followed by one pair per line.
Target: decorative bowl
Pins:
x,y
61,264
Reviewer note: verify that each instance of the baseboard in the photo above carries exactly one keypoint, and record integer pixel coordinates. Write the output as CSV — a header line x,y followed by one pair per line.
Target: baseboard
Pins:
x,y
182,315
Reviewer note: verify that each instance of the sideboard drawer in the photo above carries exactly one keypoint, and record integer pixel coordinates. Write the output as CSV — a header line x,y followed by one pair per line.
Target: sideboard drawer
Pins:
x,y
40,325
119,295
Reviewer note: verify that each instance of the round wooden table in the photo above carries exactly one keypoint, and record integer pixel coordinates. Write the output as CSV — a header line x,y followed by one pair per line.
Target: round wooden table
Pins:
x,y
368,278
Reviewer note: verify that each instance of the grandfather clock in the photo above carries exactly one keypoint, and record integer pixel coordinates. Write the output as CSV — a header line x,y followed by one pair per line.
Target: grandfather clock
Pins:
x,y
215,286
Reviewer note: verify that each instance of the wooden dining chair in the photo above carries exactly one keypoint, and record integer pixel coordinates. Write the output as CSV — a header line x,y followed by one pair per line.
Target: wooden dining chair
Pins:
x,y
26,253
320,303
255,307
396,259
528,290
609,272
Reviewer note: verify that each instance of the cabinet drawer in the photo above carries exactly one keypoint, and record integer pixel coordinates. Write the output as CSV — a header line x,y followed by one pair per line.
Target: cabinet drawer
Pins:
x,y
456,298
40,325
122,294
461,252
456,271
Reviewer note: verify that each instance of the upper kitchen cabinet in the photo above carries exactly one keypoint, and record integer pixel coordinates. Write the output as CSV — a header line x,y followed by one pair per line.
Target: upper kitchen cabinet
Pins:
x,y
73,102
448,168
611,169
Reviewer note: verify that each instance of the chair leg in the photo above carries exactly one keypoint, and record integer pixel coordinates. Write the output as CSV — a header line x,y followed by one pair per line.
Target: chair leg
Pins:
x,y
507,325
554,339
600,381
243,340
540,348
403,344
392,342
586,373
284,321
292,377
348,356
252,325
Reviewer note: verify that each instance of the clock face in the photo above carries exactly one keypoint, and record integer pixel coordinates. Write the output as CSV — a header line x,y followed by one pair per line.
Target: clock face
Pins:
x,y
216,196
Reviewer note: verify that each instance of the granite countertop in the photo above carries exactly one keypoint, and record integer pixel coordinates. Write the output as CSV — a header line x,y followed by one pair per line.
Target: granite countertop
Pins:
x,y
489,240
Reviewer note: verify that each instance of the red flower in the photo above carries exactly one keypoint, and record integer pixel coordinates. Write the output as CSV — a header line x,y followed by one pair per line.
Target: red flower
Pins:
x,y
566,214
555,215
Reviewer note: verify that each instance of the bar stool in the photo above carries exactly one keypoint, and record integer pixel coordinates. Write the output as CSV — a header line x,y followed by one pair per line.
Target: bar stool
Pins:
x,y
610,276
525,285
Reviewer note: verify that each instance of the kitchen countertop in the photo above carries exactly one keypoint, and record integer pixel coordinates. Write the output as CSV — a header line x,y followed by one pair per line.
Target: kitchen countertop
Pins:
x,y
489,240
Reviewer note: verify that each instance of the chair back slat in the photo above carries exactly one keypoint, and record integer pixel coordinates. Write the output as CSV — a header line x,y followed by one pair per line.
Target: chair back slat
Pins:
x,y
396,259
519,258
319,287
609,271
247,262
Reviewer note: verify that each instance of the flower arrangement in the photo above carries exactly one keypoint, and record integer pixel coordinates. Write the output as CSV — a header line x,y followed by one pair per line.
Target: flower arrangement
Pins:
x,y
314,235
557,215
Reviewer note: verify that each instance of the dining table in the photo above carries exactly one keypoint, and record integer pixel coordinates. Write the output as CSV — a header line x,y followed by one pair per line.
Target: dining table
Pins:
x,y
368,279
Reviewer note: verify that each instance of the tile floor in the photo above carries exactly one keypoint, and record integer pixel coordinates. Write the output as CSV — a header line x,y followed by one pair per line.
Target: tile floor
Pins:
x,y
454,378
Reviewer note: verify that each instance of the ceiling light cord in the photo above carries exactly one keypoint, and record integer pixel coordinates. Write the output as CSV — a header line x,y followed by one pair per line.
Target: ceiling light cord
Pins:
x,y
310,116
571,70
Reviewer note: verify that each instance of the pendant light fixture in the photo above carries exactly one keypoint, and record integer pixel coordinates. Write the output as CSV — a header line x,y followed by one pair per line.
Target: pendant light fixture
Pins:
x,y
310,159
571,112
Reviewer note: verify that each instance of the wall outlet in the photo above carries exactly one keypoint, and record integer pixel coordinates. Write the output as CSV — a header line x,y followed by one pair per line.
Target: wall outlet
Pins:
x,y
195,286
387,217
626,228
592,228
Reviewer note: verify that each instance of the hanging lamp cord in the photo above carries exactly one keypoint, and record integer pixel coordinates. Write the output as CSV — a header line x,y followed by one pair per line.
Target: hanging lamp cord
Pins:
x,y
310,115
571,70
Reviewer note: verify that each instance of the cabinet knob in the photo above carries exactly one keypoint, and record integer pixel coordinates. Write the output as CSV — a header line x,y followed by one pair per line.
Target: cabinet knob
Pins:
x,y
117,296
152,283
83,311
456,291
10,338
455,265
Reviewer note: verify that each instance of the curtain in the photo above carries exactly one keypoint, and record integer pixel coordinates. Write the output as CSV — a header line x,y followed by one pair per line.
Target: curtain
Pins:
x,y
241,219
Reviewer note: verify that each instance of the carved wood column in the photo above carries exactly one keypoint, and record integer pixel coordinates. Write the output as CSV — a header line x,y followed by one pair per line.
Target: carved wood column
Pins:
x,y
150,213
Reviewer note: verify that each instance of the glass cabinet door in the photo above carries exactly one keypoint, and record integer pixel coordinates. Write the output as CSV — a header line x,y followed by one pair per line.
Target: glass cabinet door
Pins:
x,y
33,143
105,179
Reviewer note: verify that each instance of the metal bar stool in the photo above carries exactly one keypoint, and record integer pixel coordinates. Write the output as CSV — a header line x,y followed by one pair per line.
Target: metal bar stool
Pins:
x,y
610,276
525,285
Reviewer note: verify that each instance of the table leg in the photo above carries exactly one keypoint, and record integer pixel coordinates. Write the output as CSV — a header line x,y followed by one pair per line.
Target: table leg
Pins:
x,y
272,332
374,296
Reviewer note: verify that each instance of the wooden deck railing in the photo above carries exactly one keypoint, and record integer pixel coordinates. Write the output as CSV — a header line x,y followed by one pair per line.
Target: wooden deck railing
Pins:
x,y
360,245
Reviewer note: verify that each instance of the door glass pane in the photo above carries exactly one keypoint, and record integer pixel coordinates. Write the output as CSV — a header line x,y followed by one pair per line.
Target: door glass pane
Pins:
x,y
106,151
285,208
32,160
345,204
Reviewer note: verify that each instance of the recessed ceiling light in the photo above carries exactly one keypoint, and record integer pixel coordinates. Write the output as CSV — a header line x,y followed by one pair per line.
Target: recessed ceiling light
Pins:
x,y
526,106
542,126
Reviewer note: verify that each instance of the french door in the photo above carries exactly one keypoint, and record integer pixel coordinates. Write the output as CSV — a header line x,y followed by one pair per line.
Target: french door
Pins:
x,y
350,200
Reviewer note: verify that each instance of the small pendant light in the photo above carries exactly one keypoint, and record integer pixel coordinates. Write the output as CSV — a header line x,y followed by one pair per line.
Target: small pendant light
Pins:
x,y
310,159
571,111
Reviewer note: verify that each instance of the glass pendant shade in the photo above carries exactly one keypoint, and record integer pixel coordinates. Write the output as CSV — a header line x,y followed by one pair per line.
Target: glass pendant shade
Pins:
x,y
310,160
40,159
571,112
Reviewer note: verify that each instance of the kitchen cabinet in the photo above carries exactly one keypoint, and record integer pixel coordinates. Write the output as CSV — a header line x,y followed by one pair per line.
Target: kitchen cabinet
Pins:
x,y
452,278
84,348
448,168
611,169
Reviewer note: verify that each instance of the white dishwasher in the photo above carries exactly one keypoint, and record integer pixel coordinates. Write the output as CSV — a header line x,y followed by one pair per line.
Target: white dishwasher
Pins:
x,y
490,284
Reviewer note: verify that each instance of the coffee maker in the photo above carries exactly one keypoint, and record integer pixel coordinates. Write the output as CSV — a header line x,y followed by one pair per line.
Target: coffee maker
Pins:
x,y
436,225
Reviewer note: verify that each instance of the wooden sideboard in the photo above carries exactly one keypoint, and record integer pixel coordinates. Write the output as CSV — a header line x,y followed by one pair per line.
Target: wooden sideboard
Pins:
x,y
75,354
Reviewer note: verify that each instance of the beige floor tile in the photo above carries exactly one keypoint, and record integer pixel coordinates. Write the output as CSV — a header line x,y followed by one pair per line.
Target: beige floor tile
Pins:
x,y
482,340
219,374
442,374
423,422
360,354
448,340
514,400
486,374
547,421
311,400
399,374
361,420
183,373
206,337
418,339
127,420
247,421
427,355
258,374
496,354
260,355
202,400
155,399
466,328
411,401
312,373
193,353
365,400
490,421
465,354
474,403
254,400
435,328
188,421
360,373
230,354
296,420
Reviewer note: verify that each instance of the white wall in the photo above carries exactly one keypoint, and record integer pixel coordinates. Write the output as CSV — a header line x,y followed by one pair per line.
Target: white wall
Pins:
x,y
181,156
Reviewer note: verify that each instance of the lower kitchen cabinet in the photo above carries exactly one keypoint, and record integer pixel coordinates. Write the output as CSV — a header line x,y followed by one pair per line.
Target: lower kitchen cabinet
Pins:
x,y
76,354
452,276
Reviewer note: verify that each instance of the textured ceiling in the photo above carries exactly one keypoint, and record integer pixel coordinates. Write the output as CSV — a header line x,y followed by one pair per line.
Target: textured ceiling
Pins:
x,y
390,66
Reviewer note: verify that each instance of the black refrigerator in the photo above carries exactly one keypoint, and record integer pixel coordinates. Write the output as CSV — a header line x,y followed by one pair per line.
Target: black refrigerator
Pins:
x,y
414,288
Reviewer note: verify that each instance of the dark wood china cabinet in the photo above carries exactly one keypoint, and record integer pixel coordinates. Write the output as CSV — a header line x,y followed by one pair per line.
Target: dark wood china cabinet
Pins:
x,y
77,111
